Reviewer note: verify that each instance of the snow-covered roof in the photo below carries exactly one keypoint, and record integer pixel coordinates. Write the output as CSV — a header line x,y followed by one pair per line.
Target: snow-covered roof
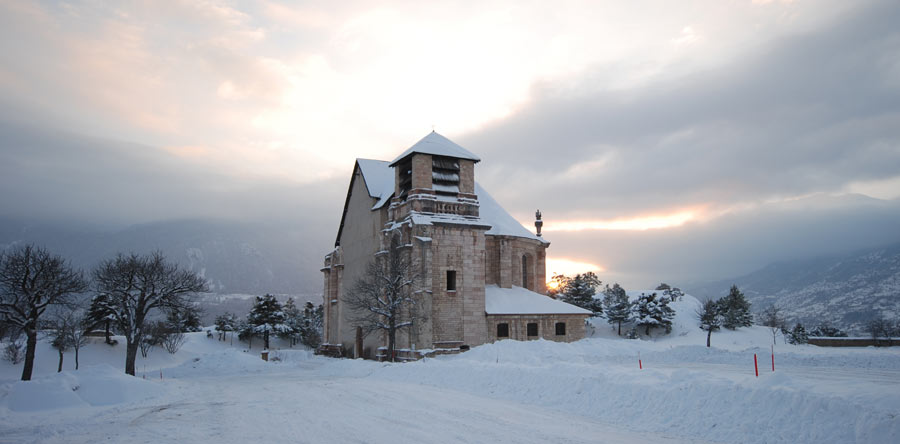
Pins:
x,y
437,145
518,300
379,179
502,223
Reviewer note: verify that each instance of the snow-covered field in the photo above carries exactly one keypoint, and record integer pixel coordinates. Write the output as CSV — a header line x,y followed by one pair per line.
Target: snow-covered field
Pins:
x,y
538,391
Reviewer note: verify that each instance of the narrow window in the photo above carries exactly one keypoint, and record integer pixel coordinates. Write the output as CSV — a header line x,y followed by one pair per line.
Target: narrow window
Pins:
x,y
532,329
524,271
451,280
560,329
503,330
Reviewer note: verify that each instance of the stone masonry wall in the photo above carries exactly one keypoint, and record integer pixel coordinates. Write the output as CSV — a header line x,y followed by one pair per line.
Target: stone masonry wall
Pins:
x,y
546,327
504,262
421,171
458,316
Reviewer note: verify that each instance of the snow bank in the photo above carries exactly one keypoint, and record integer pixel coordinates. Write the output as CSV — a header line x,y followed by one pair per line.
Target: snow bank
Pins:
x,y
600,379
99,385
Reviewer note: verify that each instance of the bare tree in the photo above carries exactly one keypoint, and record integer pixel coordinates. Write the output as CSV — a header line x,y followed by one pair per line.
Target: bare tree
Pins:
x,y
60,340
882,331
32,279
133,286
384,298
69,328
774,320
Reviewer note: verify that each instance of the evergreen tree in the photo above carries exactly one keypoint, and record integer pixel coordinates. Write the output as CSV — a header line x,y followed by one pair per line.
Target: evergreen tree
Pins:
x,y
616,306
710,318
100,314
652,311
557,285
735,310
293,319
798,335
266,316
313,316
580,292
226,322
184,319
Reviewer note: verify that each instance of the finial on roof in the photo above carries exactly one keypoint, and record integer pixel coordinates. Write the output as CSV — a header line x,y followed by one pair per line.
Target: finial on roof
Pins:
x,y
538,223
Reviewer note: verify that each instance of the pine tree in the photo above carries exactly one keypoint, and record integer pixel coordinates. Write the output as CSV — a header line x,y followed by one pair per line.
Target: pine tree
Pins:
x,y
99,314
735,310
184,319
293,319
798,335
652,311
226,322
710,318
313,316
580,292
616,306
266,316
557,285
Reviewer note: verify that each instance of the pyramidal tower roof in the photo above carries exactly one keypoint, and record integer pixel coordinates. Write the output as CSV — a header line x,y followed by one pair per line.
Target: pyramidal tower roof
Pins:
x,y
437,145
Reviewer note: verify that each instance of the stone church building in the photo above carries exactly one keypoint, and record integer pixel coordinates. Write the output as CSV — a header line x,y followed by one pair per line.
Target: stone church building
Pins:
x,y
482,275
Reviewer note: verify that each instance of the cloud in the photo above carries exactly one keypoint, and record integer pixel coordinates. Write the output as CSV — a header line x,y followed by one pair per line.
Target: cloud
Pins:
x,y
809,112
63,176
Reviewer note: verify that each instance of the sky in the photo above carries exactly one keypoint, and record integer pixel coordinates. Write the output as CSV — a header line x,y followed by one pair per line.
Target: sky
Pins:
x,y
663,141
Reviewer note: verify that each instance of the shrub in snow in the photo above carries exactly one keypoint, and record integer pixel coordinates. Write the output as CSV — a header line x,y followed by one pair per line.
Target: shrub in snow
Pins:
x,y
826,330
14,351
883,330
632,333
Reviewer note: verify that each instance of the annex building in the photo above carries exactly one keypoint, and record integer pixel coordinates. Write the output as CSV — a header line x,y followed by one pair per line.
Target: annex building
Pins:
x,y
482,275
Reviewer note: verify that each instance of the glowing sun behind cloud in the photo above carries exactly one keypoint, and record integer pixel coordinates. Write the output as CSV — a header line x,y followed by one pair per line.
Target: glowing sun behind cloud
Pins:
x,y
640,223
569,267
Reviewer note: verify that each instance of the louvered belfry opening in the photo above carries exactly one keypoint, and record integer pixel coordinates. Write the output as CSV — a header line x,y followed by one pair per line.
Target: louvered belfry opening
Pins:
x,y
405,170
445,175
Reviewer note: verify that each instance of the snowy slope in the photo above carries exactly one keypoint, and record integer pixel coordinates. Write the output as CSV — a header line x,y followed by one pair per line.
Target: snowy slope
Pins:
x,y
845,290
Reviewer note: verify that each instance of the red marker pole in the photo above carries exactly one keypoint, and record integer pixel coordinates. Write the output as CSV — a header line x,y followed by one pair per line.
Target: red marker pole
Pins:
x,y
640,365
773,358
755,367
